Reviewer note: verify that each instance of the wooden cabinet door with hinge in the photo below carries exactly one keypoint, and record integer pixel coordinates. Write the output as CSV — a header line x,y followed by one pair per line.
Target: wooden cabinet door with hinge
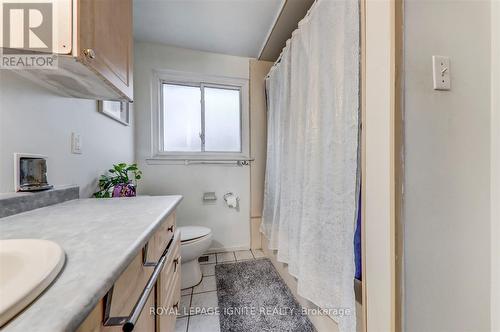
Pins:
x,y
105,41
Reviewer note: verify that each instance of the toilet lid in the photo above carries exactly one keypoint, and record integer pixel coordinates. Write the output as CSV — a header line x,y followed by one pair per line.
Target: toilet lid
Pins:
x,y
189,233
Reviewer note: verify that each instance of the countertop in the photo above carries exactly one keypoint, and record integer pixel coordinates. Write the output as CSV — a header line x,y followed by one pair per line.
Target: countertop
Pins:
x,y
100,238
13,194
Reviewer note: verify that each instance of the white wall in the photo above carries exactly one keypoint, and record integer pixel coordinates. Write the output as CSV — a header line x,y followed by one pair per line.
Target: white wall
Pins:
x,y
35,120
495,166
231,228
447,166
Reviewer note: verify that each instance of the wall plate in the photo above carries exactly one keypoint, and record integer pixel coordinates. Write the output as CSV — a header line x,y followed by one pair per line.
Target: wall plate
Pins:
x,y
441,72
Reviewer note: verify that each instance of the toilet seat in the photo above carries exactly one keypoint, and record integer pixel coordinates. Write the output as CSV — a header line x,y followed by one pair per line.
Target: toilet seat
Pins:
x,y
193,233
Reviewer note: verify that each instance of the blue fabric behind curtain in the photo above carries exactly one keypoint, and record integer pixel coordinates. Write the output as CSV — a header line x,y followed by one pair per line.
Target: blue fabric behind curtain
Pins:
x,y
357,242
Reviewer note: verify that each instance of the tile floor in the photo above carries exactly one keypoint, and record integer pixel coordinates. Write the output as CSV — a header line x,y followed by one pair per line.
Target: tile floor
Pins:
x,y
196,309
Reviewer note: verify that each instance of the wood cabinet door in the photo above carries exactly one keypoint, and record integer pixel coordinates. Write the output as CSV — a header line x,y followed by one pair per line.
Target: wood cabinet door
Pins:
x,y
168,288
105,41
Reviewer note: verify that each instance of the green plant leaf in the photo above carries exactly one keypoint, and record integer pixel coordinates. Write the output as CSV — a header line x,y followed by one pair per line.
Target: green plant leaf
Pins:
x,y
119,174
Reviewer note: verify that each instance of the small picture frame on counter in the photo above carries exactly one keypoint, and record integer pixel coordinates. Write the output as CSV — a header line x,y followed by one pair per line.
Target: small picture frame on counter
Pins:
x,y
117,110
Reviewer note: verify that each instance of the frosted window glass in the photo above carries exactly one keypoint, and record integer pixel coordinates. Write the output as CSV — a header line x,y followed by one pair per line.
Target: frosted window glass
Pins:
x,y
181,118
222,120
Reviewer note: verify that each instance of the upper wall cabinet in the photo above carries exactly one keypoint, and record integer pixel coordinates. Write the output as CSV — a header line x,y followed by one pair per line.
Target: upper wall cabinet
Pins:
x,y
93,41
105,40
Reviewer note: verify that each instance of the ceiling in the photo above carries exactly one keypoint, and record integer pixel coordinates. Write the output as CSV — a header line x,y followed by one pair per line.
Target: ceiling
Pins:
x,y
292,12
235,27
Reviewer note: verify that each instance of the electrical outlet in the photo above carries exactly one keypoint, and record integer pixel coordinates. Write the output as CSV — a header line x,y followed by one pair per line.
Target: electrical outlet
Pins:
x,y
76,143
441,72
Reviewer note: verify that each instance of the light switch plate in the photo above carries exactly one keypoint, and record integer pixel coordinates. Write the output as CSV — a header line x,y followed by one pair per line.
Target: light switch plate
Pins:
x,y
441,72
76,143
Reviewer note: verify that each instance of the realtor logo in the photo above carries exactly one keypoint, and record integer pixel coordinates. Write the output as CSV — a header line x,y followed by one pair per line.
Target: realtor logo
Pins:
x,y
27,36
28,26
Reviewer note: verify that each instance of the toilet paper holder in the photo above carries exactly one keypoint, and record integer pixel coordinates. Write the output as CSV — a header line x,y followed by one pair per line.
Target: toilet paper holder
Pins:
x,y
209,196
232,201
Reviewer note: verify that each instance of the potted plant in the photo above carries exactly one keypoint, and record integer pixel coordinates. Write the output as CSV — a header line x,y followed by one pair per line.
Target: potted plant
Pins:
x,y
121,181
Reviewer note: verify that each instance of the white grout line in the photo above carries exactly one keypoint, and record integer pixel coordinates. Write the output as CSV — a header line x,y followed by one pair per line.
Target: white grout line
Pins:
x,y
208,291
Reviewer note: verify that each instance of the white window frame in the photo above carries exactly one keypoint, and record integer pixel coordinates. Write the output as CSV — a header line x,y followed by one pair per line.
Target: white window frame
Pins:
x,y
161,77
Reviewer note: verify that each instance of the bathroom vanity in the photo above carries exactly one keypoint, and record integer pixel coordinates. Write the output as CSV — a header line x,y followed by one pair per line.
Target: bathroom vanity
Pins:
x,y
122,264
151,281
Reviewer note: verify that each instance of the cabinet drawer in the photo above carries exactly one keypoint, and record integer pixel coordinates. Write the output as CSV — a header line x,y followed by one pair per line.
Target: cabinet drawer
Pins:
x,y
160,239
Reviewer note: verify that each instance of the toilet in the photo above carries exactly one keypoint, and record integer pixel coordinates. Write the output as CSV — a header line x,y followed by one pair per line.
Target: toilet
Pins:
x,y
195,240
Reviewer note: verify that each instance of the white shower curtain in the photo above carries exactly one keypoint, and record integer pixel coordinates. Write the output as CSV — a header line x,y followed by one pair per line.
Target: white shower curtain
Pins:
x,y
312,158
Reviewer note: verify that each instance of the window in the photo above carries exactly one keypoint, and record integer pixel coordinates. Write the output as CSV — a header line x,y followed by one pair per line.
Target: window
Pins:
x,y
200,118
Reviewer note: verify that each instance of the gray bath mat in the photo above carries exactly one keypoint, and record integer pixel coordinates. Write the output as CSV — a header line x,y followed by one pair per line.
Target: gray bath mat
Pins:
x,y
253,298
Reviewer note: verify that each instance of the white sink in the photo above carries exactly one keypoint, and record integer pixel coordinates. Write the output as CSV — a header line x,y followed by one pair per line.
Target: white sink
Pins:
x,y
27,267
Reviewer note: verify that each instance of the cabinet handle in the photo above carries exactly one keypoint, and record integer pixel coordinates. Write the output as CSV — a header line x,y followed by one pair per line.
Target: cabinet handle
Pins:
x,y
171,229
145,257
176,261
89,53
